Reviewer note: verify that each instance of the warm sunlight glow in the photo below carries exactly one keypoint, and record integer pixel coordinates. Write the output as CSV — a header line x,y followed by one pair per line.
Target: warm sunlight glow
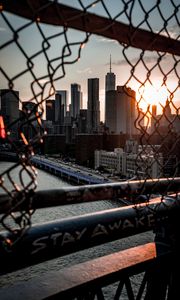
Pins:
x,y
152,94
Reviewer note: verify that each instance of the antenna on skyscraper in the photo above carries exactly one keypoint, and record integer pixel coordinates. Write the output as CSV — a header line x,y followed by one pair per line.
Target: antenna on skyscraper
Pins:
x,y
110,63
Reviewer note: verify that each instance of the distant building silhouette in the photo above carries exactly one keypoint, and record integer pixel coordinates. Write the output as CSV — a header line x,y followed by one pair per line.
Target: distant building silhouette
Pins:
x,y
110,85
61,101
153,117
9,110
82,121
61,104
29,107
50,110
76,99
93,116
110,80
122,112
9,105
165,122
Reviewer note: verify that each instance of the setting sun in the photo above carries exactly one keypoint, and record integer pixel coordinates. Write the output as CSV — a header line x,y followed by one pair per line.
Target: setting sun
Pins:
x,y
152,95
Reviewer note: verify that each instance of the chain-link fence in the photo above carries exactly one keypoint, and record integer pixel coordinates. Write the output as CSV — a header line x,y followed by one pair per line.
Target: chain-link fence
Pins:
x,y
41,39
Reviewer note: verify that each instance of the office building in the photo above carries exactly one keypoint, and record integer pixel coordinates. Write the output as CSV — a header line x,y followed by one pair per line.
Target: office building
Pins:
x,y
93,116
9,105
110,85
110,80
82,121
50,110
76,100
122,111
61,104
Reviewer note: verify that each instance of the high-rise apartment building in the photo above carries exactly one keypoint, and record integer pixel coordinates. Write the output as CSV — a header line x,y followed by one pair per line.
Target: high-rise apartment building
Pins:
x,y
93,116
76,99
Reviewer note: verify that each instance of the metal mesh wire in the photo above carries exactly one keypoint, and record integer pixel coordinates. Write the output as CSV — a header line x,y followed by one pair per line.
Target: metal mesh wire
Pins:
x,y
147,35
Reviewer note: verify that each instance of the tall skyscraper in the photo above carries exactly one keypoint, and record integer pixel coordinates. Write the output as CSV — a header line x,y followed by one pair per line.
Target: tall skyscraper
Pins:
x,y
9,105
64,100
9,110
126,110
110,79
76,99
93,105
164,121
122,113
110,85
59,109
50,110
153,117
167,109
111,111
82,121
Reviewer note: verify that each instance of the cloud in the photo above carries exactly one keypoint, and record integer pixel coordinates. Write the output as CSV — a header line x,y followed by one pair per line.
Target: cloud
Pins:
x,y
87,70
172,31
146,59
2,29
105,40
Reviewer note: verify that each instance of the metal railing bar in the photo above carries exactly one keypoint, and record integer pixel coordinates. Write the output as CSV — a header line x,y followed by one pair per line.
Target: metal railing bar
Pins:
x,y
54,239
57,14
87,277
89,193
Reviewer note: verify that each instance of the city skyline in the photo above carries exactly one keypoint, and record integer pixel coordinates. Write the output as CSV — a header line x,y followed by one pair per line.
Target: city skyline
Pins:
x,y
154,90
94,58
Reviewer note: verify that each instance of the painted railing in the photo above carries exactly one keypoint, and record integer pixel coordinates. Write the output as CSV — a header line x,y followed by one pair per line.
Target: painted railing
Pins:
x,y
156,262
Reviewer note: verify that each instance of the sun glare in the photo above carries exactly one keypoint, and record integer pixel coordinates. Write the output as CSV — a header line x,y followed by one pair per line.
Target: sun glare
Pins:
x,y
152,95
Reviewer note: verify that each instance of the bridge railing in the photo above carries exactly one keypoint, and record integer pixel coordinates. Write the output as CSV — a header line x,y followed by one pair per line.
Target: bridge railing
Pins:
x,y
155,262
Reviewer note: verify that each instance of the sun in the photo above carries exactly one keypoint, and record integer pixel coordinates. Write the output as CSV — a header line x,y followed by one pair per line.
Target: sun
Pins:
x,y
152,94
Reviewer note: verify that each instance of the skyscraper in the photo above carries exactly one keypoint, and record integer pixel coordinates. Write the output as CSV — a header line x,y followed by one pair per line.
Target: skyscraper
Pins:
x,y
111,111
122,113
50,110
9,105
9,110
59,109
153,117
93,105
110,85
110,79
76,99
126,110
64,101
